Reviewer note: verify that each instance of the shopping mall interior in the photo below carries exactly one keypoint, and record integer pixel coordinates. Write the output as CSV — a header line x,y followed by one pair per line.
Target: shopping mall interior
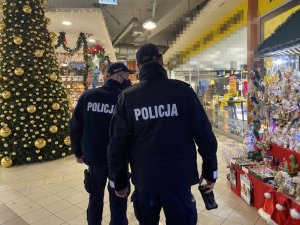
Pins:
x,y
241,58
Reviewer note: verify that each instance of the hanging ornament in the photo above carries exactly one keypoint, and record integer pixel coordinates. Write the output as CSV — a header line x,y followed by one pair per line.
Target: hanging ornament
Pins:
x,y
53,36
2,25
5,131
67,141
55,106
53,129
18,40
28,159
53,77
27,9
6,162
6,94
19,71
48,21
40,143
31,109
38,53
40,157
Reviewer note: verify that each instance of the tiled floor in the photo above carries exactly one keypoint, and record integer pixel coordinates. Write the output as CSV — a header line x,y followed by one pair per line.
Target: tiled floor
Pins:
x,y
52,193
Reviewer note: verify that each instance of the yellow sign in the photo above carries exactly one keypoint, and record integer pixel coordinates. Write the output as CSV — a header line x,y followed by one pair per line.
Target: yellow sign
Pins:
x,y
266,6
232,86
226,97
271,25
234,20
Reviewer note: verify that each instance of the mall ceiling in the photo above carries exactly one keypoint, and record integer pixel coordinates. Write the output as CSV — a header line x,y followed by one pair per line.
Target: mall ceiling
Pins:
x,y
178,22
124,22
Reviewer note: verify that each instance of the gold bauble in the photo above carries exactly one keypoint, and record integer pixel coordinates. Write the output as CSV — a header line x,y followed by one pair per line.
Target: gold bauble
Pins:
x,y
5,131
53,35
31,109
48,21
6,162
55,106
27,9
2,25
18,40
40,143
53,129
53,77
19,71
6,94
67,141
38,53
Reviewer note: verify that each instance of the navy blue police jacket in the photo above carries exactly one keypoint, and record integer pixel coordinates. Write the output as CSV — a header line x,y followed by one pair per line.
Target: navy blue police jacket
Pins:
x,y
155,126
89,125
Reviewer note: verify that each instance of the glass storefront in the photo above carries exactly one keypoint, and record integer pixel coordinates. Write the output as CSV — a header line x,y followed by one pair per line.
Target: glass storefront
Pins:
x,y
223,94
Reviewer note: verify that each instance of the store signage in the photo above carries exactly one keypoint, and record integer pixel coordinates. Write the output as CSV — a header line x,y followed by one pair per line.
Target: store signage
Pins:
x,y
109,2
234,20
266,6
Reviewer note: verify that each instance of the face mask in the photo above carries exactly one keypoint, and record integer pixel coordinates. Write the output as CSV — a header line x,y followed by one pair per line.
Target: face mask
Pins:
x,y
126,84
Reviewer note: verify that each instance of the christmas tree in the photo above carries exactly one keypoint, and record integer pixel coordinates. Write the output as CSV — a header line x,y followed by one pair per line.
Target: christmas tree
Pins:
x,y
34,112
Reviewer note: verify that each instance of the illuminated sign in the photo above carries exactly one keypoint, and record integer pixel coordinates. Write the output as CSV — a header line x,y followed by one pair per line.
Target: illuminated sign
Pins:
x,y
108,2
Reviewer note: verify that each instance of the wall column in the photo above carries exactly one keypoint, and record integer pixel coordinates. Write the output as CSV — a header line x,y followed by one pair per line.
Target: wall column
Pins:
x,y
252,41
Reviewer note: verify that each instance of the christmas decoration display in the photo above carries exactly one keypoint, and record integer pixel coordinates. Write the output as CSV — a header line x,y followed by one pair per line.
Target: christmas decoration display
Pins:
x,y
34,112
94,56
296,180
80,43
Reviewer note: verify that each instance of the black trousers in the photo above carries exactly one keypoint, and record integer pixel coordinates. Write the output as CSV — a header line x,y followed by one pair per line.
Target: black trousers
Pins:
x,y
118,206
179,207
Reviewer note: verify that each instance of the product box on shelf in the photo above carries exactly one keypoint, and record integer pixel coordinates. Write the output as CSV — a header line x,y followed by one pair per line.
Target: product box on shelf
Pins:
x,y
263,173
242,162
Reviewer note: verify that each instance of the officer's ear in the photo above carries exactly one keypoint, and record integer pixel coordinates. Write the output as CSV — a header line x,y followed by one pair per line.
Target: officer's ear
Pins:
x,y
160,61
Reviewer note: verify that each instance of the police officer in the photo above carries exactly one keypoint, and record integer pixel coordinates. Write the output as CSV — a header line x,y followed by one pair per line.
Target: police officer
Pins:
x,y
155,126
89,130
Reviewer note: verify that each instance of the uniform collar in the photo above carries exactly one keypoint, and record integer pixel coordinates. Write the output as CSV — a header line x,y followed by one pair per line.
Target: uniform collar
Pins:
x,y
153,71
113,83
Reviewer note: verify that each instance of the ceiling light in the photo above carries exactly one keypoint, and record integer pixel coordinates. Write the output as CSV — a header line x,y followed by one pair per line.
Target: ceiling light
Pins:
x,y
149,24
66,23
92,40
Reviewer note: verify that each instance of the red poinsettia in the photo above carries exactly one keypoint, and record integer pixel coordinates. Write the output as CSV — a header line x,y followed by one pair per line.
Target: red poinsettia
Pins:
x,y
96,49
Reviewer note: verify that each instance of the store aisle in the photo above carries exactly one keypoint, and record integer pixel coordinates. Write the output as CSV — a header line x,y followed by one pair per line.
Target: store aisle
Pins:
x,y
52,193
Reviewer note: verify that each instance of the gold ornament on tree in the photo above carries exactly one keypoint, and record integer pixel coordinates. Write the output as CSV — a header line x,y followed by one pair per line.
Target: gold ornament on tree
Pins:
x,y
2,25
40,143
53,36
67,141
19,71
55,106
6,94
48,21
6,162
38,53
18,40
31,109
53,129
5,131
27,9
53,77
